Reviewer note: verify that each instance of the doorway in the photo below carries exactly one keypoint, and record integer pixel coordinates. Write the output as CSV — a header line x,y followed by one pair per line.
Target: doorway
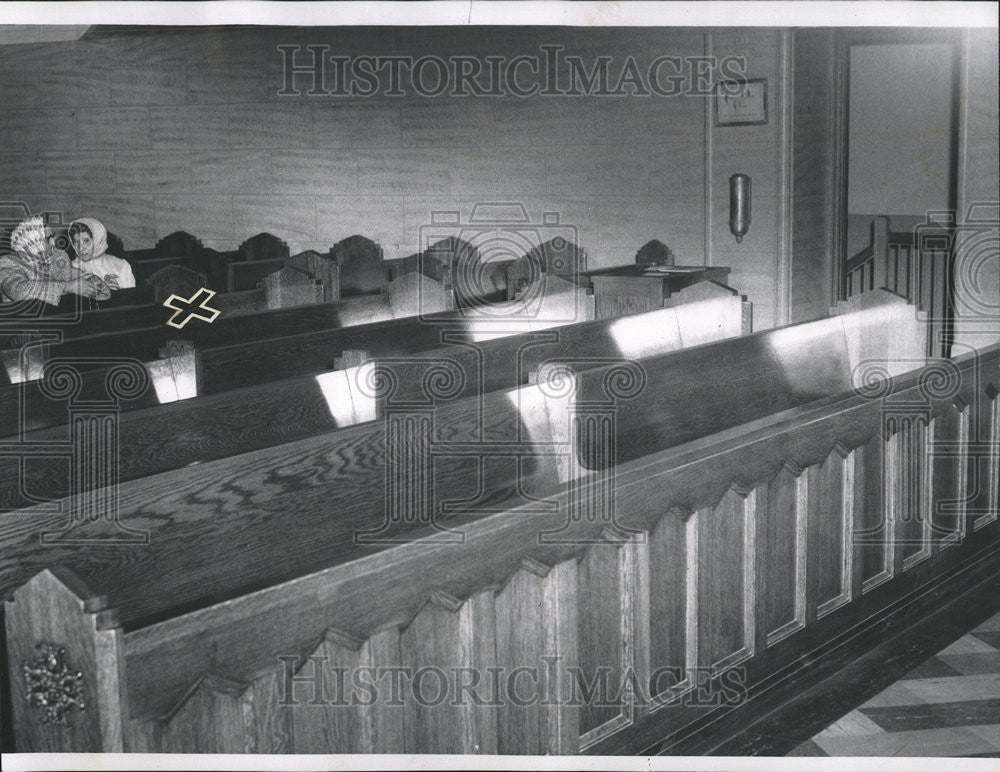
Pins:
x,y
899,150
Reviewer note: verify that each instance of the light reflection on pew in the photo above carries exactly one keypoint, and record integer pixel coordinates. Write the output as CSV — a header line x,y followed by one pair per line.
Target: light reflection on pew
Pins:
x,y
240,420
745,554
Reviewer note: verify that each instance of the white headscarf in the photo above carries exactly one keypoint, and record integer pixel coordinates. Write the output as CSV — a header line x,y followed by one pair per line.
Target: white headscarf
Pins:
x,y
98,236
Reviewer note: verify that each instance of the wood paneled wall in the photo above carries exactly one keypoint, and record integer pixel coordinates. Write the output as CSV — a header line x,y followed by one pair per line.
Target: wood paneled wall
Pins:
x,y
977,264
181,130
814,183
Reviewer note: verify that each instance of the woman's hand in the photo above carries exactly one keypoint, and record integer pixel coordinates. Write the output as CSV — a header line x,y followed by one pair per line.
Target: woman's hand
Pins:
x,y
88,285
112,281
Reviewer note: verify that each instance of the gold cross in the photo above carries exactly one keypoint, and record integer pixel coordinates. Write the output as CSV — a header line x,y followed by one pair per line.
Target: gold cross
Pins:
x,y
191,306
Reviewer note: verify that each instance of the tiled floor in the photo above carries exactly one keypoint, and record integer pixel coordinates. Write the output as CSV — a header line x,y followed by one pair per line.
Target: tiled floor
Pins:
x,y
947,706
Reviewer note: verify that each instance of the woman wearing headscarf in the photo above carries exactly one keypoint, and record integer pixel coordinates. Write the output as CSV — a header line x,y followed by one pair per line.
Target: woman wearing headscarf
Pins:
x,y
90,241
36,270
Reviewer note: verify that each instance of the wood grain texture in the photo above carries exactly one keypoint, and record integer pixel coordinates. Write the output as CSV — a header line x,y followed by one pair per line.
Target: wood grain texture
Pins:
x,y
684,485
536,628
216,426
781,595
912,496
211,719
493,547
949,471
668,580
831,533
328,710
605,640
873,527
694,388
726,580
57,608
446,636
987,499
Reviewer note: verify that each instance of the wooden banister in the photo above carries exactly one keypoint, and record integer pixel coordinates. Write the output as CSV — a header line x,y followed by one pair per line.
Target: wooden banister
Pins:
x,y
910,265
880,249
862,257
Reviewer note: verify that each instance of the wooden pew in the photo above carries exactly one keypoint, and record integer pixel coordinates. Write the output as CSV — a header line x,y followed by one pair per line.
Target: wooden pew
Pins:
x,y
236,417
725,559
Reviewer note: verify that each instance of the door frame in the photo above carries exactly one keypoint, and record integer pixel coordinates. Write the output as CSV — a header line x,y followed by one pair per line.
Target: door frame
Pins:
x,y
844,40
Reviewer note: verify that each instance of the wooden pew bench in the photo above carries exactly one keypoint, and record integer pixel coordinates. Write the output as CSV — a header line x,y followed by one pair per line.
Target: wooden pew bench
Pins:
x,y
239,363
154,437
770,534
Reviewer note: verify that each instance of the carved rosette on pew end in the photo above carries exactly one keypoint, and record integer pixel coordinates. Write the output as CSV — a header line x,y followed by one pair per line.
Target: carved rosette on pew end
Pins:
x,y
66,661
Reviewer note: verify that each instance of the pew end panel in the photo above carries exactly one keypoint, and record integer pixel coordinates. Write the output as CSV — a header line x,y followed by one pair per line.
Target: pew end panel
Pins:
x,y
64,646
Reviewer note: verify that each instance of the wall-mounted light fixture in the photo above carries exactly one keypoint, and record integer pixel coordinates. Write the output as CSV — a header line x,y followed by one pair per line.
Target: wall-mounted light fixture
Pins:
x,y
739,206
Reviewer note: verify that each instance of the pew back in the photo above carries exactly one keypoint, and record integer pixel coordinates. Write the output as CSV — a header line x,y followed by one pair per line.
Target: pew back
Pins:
x,y
154,438
724,555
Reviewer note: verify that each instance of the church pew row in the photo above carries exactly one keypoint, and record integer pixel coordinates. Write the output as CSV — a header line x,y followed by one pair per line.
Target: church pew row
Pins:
x,y
153,438
722,561
552,299
74,318
338,470
233,365
145,343
286,330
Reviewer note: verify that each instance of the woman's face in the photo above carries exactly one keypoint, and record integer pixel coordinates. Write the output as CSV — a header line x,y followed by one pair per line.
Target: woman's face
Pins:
x,y
83,244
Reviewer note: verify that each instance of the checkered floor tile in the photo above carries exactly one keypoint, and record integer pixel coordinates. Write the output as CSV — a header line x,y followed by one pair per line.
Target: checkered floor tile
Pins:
x,y
947,706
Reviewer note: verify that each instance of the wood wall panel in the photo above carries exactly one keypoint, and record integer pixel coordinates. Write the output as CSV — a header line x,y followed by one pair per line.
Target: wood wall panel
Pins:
x,y
447,634
113,128
781,592
190,127
873,527
605,639
537,628
70,172
162,83
210,720
268,125
949,468
231,171
911,493
51,129
153,171
668,577
271,721
831,533
328,715
214,72
988,500
726,576
76,77
218,88
336,125
23,172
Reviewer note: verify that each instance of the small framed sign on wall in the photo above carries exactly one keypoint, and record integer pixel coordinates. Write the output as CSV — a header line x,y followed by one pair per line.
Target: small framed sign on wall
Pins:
x,y
741,103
